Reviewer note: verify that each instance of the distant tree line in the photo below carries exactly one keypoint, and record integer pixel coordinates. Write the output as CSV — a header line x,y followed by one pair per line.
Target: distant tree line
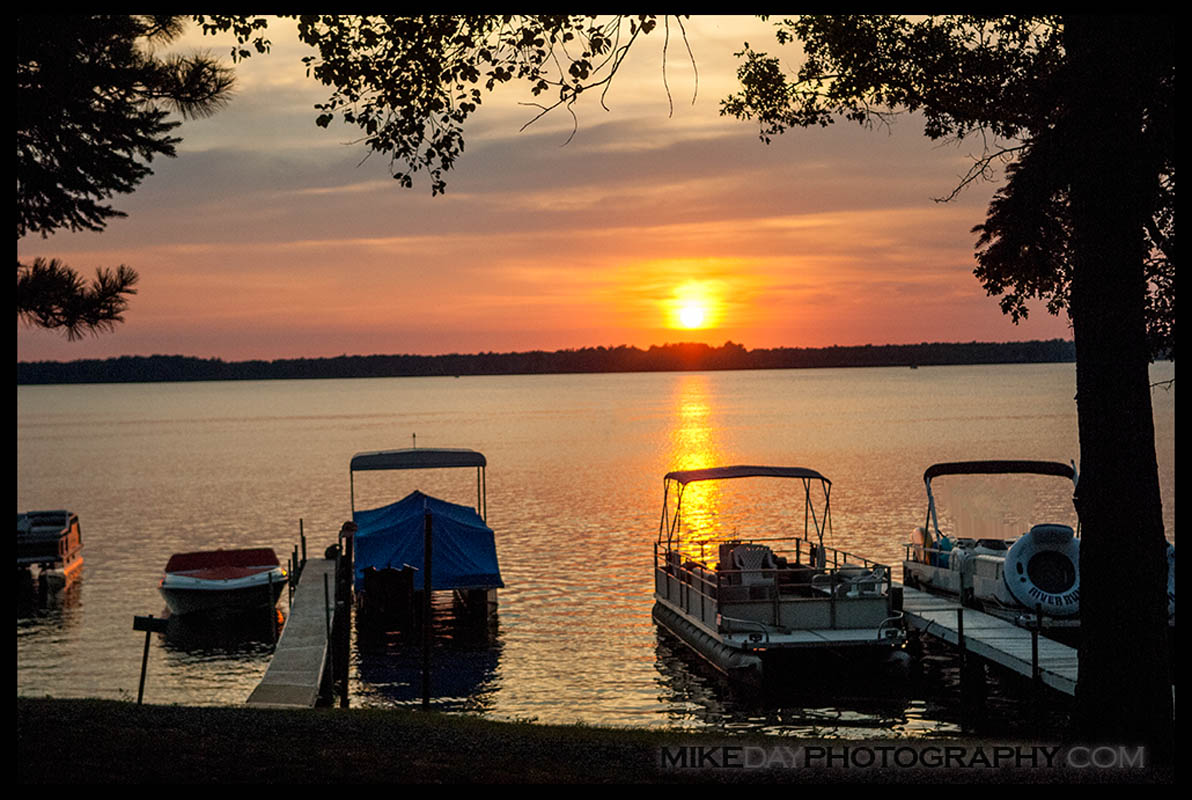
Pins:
x,y
665,358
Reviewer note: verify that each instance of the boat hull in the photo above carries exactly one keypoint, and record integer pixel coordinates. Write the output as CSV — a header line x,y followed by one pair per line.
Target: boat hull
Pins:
x,y
222,581
789,669
217,597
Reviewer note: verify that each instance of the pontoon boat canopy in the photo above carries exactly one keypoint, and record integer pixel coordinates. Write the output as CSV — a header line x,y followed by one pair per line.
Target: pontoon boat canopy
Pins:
x,y
464,552
742,471
1000,468
993,467
422,458
417,458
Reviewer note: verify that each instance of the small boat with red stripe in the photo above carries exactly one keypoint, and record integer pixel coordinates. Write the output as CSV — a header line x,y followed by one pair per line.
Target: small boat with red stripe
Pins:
x,y
222,581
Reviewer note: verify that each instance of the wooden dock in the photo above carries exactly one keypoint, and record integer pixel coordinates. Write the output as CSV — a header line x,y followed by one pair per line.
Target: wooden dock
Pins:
x,y
991,638
296,671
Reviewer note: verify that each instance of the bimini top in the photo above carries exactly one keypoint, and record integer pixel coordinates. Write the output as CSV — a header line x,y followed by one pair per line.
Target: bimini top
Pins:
x,y
464,551
417,458
687,476
1000,468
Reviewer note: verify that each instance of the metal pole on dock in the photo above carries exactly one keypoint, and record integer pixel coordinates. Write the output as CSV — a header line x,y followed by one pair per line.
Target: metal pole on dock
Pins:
x,y
960,633
327,618
149,625
426,610
1035,645
1036,675
342,625
269,606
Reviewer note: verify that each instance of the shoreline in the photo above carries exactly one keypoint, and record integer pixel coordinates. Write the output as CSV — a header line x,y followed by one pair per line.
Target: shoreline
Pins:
x,y
109,741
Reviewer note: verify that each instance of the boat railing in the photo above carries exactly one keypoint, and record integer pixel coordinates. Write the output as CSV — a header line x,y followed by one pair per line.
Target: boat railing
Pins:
x,y
802,556
701,590
931,556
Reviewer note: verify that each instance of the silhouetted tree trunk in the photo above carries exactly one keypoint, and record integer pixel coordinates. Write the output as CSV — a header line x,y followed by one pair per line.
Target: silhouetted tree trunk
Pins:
x,y
1124,693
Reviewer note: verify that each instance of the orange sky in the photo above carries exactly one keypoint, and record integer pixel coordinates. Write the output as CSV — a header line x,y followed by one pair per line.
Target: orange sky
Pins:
x,y
267,238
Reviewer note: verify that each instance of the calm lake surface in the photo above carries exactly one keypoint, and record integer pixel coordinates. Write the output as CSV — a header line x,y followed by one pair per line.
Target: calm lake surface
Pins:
x,y
574,495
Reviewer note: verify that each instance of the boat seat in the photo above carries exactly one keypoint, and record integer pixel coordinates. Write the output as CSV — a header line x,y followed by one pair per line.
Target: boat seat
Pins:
x,y
868,584
751,560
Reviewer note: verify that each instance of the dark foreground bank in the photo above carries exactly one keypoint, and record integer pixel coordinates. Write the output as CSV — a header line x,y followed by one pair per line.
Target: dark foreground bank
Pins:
x,y
99,741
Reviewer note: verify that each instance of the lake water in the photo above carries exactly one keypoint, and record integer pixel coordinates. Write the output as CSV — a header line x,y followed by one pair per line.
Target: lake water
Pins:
x,y
574,495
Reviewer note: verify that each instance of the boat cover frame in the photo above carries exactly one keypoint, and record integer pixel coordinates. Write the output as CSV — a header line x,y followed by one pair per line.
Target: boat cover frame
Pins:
x,y
422,458
669,529
991,467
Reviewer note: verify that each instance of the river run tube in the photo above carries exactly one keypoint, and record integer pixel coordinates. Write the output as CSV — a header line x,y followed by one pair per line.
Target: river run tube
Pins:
x,y
1043,569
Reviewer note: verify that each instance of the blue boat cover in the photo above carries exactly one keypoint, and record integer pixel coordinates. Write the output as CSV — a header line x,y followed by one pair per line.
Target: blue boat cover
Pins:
x,y
464,552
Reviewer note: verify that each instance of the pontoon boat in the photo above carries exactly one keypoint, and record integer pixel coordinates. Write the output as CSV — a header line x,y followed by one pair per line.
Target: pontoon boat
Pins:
x,y
1013,578
389,544
759,609
49,548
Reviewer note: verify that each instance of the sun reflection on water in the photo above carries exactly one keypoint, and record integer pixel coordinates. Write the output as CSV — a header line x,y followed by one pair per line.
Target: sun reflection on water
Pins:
x,y
695,444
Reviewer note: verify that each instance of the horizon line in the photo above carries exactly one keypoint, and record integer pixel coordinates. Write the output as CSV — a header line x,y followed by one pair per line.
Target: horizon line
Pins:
x,y
727,343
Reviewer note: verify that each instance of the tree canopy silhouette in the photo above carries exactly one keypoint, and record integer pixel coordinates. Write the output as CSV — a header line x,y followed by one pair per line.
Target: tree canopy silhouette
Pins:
x,y
409,83
1003,80
94,100
1081,109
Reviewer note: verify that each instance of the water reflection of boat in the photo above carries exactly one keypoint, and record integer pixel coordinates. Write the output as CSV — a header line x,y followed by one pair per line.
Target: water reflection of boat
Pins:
x,y
222,582
464,658
236,636
772,608
49,550
823,704
390,543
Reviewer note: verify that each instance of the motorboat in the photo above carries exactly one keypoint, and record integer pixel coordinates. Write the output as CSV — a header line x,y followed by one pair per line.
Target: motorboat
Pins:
x,y
222,582
761,610
395,546
49,548
1029,579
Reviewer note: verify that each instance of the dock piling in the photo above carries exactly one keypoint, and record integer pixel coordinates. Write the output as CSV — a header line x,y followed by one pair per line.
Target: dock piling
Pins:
x,y
426,615
149,625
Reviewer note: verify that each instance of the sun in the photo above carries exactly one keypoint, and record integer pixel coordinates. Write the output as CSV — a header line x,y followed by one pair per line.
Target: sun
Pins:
x,y
694,306
692,315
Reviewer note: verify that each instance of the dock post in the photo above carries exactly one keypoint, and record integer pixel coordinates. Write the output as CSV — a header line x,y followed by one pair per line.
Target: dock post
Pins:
x,y
271,609
960,634
1035,645
144,667
1036,674
149,625
426,615
342,624
302,538
330,640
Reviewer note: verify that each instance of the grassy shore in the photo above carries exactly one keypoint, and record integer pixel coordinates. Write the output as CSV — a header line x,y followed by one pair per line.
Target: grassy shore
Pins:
x,y
100,741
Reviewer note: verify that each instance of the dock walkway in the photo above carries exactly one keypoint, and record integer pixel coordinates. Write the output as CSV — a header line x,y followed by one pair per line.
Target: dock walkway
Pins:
x,y
991,638
295,673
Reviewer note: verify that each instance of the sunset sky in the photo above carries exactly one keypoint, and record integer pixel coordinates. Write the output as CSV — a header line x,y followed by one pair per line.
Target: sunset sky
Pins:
x,y
268,238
